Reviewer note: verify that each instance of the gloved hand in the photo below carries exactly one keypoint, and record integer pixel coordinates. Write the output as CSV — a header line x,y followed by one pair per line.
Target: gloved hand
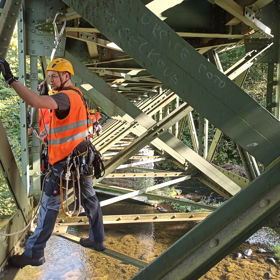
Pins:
x,y
6,71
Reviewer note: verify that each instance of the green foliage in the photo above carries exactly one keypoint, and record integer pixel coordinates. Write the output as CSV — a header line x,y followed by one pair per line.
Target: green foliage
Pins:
x,y
9,115
230,57
276,252
7,204
254,85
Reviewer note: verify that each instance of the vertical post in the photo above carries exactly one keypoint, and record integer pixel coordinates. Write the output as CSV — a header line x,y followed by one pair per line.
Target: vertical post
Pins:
x,y
205,138
200,134
277,93
245,157
23,106
269,92
193,133
35,141
177,123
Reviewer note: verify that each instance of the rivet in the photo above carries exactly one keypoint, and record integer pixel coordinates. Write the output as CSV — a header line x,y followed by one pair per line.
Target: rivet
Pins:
x,y
264,202
213,243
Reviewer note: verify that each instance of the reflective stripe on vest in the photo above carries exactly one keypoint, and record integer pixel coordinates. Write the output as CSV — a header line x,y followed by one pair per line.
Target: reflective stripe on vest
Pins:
x,y
67,127
68,139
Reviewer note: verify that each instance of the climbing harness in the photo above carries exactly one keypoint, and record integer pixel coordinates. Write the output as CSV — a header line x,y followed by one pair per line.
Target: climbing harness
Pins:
x,y
87,164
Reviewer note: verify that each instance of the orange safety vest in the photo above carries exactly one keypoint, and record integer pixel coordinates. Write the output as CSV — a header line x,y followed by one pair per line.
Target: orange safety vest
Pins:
x,y
66,134
95,117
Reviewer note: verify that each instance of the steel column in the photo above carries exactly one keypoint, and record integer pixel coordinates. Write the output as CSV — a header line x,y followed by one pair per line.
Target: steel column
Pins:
x,y
23,107
8,21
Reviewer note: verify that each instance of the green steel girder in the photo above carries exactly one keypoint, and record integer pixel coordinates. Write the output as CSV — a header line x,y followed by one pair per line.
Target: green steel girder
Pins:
x,y
40,42
23,107
8,19
114,190
146,137
117,133
182,153
111,102
114,103
196,252
12,175
172,60
19,220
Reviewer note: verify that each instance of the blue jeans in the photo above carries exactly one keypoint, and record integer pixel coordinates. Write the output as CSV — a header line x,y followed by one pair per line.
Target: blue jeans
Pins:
x,y
50,206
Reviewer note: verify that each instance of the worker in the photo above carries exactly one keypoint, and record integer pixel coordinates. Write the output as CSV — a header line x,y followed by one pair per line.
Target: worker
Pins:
x,y
95,117
68,136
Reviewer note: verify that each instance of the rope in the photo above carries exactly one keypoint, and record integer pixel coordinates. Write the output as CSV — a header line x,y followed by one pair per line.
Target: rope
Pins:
x,y
75,213
33,217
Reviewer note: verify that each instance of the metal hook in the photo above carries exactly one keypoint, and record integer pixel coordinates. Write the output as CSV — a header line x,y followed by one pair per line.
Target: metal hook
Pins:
x,y
57,34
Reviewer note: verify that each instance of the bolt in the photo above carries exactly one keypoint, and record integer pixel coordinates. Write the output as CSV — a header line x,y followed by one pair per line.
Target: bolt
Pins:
x,y
213,243
263,203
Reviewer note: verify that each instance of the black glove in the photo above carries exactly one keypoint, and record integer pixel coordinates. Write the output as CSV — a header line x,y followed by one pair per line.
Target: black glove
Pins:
x,y
6,71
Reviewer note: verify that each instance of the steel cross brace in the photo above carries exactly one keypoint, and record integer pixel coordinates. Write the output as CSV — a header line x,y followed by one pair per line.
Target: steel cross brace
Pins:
x,y
115,104
194,254
155,46
146,137
8,21
115,133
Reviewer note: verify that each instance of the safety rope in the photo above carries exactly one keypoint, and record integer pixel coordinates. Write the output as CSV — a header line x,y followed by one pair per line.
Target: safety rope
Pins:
x,y
76,210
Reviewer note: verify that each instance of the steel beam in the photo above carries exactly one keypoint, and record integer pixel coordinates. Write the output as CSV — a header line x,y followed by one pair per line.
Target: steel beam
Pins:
x,y
36,153
23,107
112,102
146,137
108,252
142,218
8,21
237,11
196,252
178,65
144,190
145,175
114,190
223,185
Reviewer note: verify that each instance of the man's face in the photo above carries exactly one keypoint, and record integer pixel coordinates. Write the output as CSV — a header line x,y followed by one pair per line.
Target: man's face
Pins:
x,y
55,80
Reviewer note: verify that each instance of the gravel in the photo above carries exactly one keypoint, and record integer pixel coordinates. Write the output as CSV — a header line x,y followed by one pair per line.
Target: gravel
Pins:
x,y
265,237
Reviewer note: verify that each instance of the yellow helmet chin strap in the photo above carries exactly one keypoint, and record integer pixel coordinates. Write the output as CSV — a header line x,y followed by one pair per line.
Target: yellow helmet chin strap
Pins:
x,y
52,92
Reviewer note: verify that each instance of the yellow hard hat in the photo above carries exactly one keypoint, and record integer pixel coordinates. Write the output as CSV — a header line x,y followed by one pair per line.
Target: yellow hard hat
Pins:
x,y
60,65
91,111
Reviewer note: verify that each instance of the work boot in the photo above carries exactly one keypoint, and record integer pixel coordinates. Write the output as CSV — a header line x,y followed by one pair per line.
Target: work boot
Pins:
x,y
22,260
97,246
